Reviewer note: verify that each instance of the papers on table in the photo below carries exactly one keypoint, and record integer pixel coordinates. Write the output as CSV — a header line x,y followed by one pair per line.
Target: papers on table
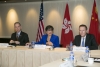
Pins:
x,y
40,46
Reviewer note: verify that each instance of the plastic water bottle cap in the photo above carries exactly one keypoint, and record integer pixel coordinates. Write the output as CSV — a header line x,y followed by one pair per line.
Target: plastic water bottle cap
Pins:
x,y
70,43
86,46
33,42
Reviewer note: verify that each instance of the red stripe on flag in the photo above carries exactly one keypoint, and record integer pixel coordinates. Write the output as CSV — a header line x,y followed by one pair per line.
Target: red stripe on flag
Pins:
x,y
40,31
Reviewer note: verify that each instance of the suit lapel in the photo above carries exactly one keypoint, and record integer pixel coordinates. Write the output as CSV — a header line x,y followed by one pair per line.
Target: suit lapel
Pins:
x,y
79,40
46,36
86,40
15,36
51,38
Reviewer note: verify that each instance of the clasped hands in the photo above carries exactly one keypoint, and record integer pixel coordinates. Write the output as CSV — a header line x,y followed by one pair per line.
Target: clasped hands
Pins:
x,y
16,42
49,43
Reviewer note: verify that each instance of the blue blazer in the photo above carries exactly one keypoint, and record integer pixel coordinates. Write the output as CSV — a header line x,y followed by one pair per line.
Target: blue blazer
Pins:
x,y
54,39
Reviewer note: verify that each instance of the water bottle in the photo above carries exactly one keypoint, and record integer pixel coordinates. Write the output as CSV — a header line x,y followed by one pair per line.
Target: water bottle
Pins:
x,y
87,52
32,44
72,57
71,48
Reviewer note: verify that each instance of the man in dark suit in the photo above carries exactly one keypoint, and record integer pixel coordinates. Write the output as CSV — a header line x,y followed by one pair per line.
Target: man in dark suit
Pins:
x,y
19,37
84,39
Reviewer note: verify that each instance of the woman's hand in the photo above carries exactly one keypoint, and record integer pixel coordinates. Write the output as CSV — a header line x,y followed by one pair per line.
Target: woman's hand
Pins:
x,y
49,43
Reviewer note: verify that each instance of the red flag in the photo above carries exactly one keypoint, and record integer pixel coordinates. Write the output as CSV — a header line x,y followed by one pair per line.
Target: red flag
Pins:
x,y
94,24
99,32
41,25
67,34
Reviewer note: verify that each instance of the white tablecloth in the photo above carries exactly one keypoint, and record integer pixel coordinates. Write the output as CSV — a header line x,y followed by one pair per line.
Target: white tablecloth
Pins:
x,y
25,57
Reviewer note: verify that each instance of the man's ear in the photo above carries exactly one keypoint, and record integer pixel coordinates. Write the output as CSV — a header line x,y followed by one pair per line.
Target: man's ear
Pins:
x,y
21,27
86,31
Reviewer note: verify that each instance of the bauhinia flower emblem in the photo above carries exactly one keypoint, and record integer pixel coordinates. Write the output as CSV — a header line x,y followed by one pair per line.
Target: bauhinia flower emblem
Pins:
x,y
67,26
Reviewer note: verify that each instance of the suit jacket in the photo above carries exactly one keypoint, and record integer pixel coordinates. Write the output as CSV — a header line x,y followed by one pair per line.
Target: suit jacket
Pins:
x,y
54,39
90,41
23,38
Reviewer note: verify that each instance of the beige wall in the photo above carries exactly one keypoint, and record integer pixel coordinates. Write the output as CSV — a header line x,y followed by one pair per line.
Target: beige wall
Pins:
x,y
28,15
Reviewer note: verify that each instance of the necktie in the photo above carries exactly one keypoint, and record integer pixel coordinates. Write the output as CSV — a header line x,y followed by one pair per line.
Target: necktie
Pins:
x,y
83,45
17,36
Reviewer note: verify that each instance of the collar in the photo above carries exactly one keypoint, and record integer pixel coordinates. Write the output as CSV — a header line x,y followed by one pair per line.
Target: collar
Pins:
x,y
84,37
18,33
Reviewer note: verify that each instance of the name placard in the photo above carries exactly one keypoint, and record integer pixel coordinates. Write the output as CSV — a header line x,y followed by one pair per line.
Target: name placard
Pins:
x,y
4,44
48,47
39,46
66,64
79,49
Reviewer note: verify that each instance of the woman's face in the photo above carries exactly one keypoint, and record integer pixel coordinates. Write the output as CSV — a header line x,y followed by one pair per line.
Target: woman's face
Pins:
x,y
49,32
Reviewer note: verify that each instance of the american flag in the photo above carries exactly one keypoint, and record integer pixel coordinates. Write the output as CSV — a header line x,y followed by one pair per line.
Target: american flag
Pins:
x,y
41,25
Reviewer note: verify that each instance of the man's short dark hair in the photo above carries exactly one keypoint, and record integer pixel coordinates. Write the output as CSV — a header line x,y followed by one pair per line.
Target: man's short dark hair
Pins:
x,y
17,23
49,27
82,25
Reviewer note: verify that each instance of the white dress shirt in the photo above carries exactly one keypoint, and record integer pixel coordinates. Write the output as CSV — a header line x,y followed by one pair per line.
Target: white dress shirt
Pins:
x,y
18,34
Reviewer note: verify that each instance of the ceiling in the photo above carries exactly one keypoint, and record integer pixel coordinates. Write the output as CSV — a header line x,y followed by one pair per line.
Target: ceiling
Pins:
x,y
15,1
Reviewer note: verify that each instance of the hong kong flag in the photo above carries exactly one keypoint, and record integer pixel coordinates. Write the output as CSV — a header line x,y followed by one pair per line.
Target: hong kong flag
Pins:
x,y
66,34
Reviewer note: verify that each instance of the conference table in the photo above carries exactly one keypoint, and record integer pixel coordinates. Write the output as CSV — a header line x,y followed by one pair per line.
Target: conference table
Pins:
x,y
78,63
22,56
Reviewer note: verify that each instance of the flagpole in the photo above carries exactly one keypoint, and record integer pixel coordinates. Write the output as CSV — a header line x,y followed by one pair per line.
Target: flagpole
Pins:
x,y
42,1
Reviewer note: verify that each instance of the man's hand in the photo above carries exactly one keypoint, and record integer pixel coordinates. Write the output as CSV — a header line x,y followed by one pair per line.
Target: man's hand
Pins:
x,y
28,44
17,42
11,41
49,43
74,45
